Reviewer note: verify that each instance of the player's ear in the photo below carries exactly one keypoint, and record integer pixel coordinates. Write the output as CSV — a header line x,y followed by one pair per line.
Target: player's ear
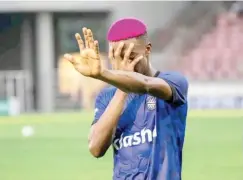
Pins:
x,y
148,48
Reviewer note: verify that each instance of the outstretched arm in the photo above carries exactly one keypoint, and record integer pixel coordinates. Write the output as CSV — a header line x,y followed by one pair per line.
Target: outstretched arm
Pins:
x,y
137,83
171,87
130,81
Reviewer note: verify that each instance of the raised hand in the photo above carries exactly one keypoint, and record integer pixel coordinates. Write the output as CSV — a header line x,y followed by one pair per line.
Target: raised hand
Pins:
x,y
119,63
88,64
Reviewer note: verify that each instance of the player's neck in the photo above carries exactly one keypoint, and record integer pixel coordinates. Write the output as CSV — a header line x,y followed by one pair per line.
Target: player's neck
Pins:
x,y
151,71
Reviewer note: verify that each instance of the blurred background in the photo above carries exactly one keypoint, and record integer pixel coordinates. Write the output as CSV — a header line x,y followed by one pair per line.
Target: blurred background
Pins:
x,y
47,107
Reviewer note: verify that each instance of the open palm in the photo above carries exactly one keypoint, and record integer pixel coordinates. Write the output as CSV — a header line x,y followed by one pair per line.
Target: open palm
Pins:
x,y
88,64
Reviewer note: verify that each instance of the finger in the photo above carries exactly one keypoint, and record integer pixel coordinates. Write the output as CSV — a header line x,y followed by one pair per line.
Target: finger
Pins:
x,y
90,38
111,55
135,61
128,52
96,48
119,49
80,42
115,64
86,38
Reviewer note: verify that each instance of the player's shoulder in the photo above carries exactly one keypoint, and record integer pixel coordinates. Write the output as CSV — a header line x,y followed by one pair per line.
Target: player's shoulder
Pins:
x,y
108,90
174,75
107,93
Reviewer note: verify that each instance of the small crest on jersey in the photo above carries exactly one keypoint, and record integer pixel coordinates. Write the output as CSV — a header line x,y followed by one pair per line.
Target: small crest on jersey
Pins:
x,y
151,102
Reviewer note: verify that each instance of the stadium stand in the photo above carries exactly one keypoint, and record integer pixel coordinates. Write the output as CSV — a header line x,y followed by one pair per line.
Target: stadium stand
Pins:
x,y
204,42
218,55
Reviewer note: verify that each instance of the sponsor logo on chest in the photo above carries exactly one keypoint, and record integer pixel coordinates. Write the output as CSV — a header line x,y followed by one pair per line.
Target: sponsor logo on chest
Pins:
x,y
144,136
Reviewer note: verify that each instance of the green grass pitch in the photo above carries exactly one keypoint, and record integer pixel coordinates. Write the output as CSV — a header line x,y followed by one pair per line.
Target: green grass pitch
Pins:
x,y
58,150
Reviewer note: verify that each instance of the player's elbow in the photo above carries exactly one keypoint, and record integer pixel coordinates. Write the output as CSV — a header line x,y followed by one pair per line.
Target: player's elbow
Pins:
x,y
96,154
95,151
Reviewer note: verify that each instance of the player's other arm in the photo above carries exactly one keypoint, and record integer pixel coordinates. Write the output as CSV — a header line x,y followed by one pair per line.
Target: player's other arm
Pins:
x,y
171,87
106,118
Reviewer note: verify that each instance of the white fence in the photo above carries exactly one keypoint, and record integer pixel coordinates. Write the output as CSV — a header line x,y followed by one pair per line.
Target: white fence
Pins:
x,y
215,95
17,86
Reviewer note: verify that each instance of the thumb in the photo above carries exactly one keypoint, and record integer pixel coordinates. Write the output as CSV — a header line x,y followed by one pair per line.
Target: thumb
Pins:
x,y
135,61
76,64
70,58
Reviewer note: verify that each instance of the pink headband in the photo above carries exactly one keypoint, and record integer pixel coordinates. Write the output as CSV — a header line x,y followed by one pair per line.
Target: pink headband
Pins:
x,y
126,28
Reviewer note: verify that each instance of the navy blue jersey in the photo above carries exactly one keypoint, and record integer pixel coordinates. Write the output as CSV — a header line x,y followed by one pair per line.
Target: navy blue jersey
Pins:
x,y
150,134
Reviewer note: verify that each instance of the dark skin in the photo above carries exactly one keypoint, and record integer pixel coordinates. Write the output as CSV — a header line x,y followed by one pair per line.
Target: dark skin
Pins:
x,y
140,48
131,73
